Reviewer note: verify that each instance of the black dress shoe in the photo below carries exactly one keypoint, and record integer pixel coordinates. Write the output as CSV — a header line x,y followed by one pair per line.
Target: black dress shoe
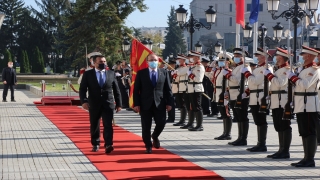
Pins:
x,y
148,150
169,120
129,109
13,100
156,143
4,100
95,148
179,124
109,149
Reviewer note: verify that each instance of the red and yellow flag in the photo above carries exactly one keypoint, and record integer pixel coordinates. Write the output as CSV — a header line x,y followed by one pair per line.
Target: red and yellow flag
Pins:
x,y
240,12
138,56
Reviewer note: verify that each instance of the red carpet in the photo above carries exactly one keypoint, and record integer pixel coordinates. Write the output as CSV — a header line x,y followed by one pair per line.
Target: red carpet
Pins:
x,y
128,161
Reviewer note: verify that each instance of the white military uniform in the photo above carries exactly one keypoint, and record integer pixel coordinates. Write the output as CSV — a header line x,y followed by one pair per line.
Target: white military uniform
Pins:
x,y
279,85
195,84
234,81
256,82
216,77
308,82
180,83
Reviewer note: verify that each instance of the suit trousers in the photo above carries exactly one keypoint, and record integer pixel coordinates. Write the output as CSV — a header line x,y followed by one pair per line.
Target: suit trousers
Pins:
x,y
95,115
279,124
159,117
5,91
259,119
307,123
241,114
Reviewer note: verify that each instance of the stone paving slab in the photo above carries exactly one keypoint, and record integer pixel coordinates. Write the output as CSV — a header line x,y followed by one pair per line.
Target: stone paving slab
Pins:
x,y
31,147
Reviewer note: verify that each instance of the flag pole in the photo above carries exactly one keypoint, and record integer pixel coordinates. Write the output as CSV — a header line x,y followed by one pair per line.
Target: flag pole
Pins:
x,y
255,37
238,35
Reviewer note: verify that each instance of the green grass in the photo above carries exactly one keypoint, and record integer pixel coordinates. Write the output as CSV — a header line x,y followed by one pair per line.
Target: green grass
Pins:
x,y
57,88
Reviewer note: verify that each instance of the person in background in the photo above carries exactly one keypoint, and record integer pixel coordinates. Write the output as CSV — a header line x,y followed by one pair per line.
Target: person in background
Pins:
x,y
9,79
172,112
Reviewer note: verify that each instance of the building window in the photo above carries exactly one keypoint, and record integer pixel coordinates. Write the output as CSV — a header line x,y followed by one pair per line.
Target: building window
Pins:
x,y
230,21
230,7
249,7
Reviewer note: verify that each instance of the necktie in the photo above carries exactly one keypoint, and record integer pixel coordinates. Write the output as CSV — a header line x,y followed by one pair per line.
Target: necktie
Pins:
x,y
153,78
101,79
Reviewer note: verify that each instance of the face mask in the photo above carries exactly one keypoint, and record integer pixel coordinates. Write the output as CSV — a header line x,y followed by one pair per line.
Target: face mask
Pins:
x,y
153,64
236,60
187,61
301,60
255,60
221,64
102,66
191,60
178,62
274,60
316,60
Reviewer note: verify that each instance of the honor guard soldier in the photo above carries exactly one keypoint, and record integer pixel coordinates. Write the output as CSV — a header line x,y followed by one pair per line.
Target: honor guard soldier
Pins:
x,y
195,90
91,65
206,83
279,96
256,86
306,104
234,79
171,68
318,124
217,77
179,87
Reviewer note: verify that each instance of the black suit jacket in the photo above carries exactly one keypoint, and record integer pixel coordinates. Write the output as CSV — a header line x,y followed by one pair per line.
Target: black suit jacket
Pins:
x,y
11,78
145,94
99,96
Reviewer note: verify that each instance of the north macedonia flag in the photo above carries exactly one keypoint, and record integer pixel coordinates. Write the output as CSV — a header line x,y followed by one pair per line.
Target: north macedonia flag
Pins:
x,y
138,56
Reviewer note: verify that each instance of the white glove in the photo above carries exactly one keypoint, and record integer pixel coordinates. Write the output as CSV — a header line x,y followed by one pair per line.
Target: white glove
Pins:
x,y
118,74
266,72
225,72
189,72
173,72
244,95
225,102
290,74
244,69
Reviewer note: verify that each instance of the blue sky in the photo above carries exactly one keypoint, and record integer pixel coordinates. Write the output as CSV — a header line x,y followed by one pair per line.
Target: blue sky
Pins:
x,y
155,16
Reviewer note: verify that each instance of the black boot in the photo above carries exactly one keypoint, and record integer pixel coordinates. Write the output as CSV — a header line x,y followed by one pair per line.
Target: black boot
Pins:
x,y
280,137
262,135
224,131
199,120
244,134
183,115
310,151
286,142
239,135
190,121
304,143
227,124
318,132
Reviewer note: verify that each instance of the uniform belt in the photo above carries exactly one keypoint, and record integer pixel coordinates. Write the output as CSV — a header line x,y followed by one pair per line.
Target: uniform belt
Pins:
x,y
184,81
279,92
218,86
175,82
234,87
256,90
306,93
194,82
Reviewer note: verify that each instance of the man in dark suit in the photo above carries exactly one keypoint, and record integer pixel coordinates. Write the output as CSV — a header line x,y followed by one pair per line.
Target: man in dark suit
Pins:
x,y
9,79
152,96
103,92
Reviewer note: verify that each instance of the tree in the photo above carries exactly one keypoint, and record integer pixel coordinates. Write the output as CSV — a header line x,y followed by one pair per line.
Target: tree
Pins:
x,y
21,57
26,60
37,65
7,58
100,25
174,40
11,24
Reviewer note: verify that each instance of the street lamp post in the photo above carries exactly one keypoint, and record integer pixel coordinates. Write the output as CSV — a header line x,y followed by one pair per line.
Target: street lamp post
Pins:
x,y
198,47
213,50
148,43
295,13
193,24
54,57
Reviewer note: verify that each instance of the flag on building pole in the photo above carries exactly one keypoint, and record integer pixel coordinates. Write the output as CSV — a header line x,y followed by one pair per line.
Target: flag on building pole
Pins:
x,y
240,12
138,56
254,11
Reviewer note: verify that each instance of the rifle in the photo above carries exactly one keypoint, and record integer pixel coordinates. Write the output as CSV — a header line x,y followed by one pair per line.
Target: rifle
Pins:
x,y
242,85
287,114
264,103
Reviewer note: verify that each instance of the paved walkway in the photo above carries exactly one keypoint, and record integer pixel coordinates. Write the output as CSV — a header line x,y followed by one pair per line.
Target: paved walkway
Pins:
x,y
33,148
